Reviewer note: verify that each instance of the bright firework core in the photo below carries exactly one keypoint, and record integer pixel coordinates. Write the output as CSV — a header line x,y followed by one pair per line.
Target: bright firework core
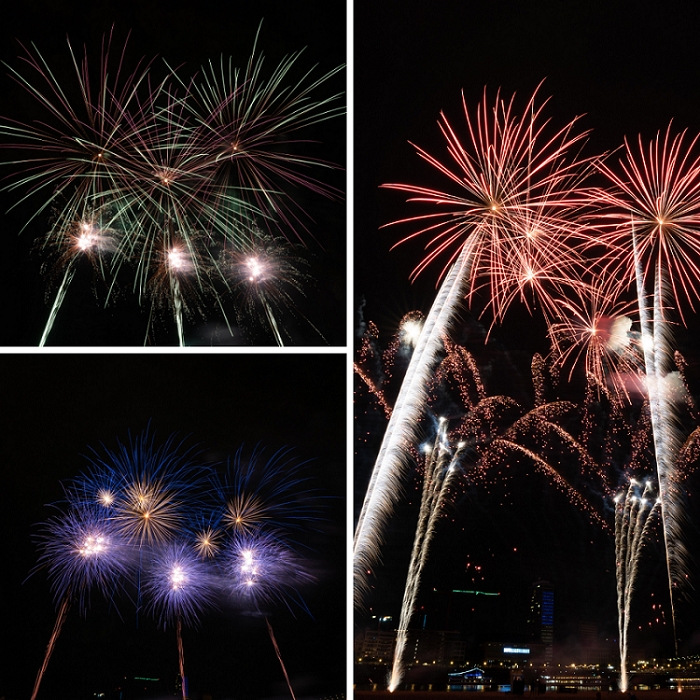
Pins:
x,y
93,546
87,238
177,260
411,330
177,577
248,566
256,269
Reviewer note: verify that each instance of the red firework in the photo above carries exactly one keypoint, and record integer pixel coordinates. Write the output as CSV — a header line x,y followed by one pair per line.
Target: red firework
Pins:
x,y
654,206
516,197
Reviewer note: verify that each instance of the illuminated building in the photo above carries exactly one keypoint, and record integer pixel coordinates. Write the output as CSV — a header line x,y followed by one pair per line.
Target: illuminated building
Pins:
x,y
540,620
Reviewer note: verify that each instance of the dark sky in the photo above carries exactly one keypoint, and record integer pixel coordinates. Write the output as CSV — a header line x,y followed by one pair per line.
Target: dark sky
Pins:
x,y
627,68
55,407
186,36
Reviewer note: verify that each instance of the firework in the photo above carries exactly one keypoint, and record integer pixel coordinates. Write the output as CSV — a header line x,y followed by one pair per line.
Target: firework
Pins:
x,y
262,493
651,230
175,170
263,570
517,199
73,153
178,585
149,490
655,199
633,515
250,126
264,277
595,329
441,465
81,550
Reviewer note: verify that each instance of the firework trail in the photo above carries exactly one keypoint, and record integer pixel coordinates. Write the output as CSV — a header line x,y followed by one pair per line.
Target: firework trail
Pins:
x,y
81,550
388,469
60,619
440,465
633,515
510,221
178,586
279,657
652,231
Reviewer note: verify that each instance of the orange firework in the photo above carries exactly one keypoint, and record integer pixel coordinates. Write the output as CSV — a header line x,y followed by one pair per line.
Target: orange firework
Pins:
x,y
516,199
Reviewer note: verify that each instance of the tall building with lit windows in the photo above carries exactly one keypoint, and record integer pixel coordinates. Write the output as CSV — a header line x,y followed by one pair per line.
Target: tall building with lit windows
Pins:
x,y
540,621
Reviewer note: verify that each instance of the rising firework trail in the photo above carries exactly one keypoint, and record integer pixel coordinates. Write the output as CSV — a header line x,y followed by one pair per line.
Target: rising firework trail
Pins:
x,y
441,464
82,550
652,232
633,516
179,588
511,218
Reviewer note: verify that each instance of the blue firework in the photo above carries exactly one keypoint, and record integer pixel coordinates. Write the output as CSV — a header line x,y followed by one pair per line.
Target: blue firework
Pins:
x,y
260,569
84,550
261,494
178,585
148,491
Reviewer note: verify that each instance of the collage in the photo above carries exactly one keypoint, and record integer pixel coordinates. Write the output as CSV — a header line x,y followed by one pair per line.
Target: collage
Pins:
x,y
349,349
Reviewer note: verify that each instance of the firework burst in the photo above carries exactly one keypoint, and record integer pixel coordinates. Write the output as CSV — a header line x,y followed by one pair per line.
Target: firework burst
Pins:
x,y
517,197
175,165
261,493
265,277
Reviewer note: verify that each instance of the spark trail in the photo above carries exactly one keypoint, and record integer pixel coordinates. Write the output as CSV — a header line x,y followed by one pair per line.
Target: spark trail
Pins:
x,y
633,515
385,480
510,220
441,464
655,339
652,234
60,619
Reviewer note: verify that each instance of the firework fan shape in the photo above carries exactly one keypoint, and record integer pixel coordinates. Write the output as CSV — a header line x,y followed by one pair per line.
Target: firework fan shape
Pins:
x,y
82,550
178,585
265,494
260,570
654,215
136,169
146,491
249,125
515,206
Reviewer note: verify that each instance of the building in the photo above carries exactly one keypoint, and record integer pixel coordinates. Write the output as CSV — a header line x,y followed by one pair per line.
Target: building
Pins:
x,y
540,621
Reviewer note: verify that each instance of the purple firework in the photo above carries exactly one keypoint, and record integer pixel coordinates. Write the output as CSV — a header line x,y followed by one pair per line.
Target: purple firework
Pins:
x,y
260,569
178,584
83,550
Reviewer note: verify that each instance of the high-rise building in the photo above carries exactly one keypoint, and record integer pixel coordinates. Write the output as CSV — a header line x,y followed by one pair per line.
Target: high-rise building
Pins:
x,y
540,620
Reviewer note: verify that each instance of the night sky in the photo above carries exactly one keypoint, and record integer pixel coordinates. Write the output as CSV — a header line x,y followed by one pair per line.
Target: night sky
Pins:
x,y
186,36
626,68
56,407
